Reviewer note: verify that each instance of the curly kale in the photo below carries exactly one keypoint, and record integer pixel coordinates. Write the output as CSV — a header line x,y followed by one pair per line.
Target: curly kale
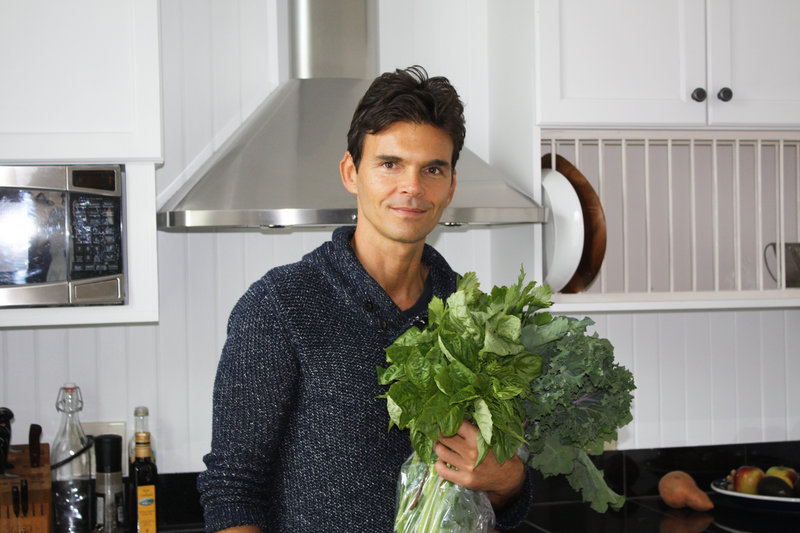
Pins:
x,y
580,400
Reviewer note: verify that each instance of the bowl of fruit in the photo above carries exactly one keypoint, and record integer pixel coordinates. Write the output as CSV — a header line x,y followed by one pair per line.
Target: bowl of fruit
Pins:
x,y
776,488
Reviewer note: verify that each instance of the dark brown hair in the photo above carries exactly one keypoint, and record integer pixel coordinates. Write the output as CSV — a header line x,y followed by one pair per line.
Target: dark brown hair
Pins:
x,y
407,95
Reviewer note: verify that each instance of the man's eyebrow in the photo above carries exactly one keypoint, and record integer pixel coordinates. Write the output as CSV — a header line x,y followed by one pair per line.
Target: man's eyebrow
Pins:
x,y
438,163
432,163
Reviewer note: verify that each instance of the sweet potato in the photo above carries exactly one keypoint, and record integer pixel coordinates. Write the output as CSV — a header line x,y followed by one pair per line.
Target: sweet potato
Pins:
x,y
678,489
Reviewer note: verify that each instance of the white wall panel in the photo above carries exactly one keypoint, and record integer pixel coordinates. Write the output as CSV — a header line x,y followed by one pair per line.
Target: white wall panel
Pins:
x,y
82,362
467,250
646,350
774,378
672,366
52,371
699,374
201,335
791,351
724,384
225,67
749,371
113,363
20,367
197,98
171,414
231,282
171,96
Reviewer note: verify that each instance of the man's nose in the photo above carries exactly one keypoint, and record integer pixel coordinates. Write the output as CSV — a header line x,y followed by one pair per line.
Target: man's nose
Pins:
x,y
411,182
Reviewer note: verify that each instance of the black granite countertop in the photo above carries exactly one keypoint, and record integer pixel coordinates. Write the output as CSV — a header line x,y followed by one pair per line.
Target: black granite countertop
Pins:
x,y
634,473
649,514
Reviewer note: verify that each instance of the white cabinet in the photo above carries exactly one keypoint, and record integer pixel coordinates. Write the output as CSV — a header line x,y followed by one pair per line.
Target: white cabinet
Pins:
x,y
80,81
631,63
753,50
81,84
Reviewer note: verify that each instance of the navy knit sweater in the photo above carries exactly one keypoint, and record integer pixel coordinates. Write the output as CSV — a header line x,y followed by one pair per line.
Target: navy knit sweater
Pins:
x,y
300,440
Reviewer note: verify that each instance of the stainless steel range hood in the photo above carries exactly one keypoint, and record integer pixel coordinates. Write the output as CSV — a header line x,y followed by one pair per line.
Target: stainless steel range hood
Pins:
x,y
280,168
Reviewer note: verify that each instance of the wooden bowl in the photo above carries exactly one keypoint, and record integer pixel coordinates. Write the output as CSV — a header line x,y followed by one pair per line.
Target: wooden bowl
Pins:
x,y
594,225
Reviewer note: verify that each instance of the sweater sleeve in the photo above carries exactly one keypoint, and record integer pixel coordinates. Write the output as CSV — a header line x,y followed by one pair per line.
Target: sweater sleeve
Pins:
x,y
513,514
253,394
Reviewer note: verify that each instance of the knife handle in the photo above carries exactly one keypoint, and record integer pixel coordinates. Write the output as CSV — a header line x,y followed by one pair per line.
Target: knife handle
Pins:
x,y
15,499
6,416
5,444
23,489
34,449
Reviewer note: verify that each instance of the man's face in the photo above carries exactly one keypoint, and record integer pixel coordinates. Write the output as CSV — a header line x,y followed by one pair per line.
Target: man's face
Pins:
x,y
403,183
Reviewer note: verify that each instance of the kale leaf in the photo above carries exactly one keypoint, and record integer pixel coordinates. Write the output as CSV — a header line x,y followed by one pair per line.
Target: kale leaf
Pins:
x,y
580,400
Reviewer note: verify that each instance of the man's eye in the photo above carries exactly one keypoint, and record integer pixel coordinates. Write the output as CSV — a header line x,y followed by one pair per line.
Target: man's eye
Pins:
x,y
436,171
389,164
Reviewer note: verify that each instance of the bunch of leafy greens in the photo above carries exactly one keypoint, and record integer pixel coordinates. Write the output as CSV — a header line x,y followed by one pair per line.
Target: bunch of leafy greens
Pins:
x,y
468,363
521,376
580,400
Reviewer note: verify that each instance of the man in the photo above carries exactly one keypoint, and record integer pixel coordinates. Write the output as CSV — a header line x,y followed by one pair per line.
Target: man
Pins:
x,y
300,439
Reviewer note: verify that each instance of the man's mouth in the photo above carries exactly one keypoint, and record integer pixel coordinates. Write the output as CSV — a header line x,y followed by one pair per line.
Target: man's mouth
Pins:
x,y
408,209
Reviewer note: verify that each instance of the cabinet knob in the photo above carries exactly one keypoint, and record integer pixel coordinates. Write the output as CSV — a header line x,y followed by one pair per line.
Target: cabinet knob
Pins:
x,y
725,94
699,94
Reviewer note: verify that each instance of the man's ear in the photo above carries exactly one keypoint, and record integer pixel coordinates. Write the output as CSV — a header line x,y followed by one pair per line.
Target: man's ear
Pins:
x,y
347,169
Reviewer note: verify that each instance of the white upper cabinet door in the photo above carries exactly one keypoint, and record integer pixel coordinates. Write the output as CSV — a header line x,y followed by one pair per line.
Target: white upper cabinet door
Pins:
x,y
81,81
620,62
753,49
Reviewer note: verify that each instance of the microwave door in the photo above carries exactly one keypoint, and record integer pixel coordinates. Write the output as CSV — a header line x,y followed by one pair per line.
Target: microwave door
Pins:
x,y
33,247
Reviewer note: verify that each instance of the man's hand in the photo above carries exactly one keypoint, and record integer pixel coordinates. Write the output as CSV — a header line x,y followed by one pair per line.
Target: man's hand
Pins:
x,y
502,483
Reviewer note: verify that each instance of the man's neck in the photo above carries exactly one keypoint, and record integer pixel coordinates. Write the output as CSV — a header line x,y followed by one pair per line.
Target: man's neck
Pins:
x,y
397,267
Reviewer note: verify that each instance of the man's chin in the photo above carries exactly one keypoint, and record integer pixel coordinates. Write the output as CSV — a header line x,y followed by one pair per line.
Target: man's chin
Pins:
x,y
411,233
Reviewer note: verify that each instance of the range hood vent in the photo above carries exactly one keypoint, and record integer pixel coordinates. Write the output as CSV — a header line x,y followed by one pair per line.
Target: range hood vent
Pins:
x,y
280,169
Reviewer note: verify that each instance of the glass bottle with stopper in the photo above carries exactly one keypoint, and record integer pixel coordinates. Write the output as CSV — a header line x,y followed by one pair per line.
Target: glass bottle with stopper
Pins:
x,y
70,467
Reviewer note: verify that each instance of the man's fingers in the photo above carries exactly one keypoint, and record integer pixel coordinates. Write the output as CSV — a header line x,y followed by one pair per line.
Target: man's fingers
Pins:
x,y
466,434
467,430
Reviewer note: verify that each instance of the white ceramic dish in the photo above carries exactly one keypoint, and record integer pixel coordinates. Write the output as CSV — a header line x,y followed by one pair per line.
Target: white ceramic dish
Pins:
x,y
563,232
756,501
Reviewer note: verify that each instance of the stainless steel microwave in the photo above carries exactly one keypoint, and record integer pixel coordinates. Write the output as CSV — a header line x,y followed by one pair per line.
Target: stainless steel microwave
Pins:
x,y
61,235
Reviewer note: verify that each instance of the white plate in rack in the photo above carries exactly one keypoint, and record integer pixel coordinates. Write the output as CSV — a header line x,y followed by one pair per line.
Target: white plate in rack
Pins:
x,y
563,232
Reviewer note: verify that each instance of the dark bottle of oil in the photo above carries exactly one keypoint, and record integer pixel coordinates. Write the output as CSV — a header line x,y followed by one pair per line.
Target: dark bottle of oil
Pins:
x,y
142,481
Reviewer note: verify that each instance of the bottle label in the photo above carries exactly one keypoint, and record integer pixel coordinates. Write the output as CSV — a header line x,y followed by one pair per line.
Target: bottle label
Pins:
x,y
146,507
120,505
100,509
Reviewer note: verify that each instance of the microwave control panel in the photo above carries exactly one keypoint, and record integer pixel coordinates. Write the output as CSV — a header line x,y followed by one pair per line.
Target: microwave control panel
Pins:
x,y
96,240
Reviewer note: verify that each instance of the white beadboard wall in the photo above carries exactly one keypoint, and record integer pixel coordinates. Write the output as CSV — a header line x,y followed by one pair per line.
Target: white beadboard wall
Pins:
x,y
703,377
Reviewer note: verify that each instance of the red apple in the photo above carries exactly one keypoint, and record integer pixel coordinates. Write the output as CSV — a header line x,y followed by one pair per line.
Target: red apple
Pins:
x,y
786,473
746,479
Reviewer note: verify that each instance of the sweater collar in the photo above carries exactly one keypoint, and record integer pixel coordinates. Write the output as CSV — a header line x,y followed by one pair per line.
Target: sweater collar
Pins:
x,y
363,286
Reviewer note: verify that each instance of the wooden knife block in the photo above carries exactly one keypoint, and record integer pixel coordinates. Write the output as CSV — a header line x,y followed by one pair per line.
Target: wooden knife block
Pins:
x,y
39,516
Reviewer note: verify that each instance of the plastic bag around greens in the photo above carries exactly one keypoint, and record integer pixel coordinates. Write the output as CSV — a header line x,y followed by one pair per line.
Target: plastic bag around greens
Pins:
x,y
427,503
